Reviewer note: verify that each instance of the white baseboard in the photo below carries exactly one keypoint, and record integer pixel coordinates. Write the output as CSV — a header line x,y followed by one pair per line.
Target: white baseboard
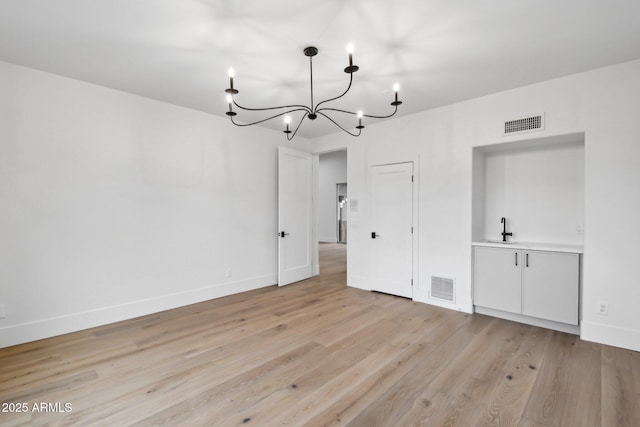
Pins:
x,y
611,335
327,239
46,328
520,318
358,282
465,308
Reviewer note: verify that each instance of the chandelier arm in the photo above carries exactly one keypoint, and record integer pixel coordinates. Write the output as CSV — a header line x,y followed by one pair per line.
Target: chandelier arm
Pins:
x,y
304,116
269,118
364,115
336,123
336,110
339,96
299,107
382,117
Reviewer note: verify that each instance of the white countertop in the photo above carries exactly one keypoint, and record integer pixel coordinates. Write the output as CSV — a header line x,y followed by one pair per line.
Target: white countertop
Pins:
x,y
533,246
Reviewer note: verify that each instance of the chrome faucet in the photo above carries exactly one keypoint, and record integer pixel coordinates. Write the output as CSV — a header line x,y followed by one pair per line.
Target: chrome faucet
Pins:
x,y
504,229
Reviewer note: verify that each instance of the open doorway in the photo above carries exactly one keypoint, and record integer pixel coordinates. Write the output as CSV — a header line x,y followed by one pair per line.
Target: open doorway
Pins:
x,y
342,214
332,207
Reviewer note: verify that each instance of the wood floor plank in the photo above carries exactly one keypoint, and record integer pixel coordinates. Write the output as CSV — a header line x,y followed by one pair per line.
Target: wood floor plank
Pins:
x,y
338,358
567,391
318,353
620,391
313,402
237,390
491,389
506,391
396,400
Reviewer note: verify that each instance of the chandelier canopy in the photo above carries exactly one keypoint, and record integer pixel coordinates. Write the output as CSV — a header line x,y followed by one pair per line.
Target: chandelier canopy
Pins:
x,y
311,111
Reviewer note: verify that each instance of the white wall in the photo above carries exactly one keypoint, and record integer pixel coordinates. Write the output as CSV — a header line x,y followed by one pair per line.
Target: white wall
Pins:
x,y
332,171
603,104
538,189
114,205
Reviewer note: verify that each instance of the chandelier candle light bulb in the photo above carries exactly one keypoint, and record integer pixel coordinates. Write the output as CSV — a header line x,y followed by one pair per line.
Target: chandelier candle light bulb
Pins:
x,y
313,110
232,74
230,113
351,68
396,88
287,121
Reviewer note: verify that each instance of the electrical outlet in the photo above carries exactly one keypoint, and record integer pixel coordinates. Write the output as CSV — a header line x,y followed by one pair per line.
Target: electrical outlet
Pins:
x,y
603,308
580,229
3,311
229,272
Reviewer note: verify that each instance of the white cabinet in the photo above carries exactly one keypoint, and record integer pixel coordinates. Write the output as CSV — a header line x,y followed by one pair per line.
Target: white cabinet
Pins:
x,y
539,284
550,286
498,279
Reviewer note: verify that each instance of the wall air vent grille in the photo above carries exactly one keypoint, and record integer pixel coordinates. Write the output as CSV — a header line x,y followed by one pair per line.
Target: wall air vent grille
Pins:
x,y
442,288
526,124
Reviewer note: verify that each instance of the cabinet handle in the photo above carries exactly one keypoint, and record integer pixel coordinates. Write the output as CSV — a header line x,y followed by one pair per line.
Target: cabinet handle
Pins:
x,y
526,263
516,259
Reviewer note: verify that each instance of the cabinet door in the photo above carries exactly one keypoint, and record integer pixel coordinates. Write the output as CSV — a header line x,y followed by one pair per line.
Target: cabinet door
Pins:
x,y
497,279
550,286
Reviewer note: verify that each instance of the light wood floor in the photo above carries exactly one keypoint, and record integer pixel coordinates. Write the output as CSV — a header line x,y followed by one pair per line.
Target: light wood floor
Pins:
x,y
318,353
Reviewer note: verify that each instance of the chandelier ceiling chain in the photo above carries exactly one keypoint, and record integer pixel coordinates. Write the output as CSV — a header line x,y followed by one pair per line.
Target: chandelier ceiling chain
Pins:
x,y
311,111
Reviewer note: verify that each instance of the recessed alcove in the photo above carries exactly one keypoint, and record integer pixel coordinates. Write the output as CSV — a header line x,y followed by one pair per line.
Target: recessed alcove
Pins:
x,y
536,184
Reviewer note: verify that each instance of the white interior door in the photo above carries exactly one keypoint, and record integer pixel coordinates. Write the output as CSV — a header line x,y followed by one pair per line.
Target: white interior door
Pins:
x,y
392,228
295,215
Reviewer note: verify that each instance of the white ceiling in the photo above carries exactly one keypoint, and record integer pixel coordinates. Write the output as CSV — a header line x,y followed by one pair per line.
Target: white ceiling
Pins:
x,y
440,51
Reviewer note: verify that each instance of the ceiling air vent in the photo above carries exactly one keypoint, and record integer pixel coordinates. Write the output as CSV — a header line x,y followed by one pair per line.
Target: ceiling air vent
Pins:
x,y
525,124
442,288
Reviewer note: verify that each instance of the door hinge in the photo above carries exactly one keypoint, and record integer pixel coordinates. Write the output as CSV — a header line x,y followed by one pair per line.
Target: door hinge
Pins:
x,y
411,282
411,230
411,178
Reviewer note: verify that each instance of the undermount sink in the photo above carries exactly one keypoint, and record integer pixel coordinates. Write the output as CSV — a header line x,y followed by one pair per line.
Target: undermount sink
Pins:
x,y
499,241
